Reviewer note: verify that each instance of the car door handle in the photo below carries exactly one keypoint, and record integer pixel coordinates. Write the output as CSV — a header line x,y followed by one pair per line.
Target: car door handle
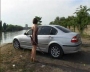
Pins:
x,y
50,37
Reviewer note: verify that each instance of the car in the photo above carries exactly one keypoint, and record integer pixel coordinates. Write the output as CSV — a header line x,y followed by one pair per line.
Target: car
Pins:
x,y
53,39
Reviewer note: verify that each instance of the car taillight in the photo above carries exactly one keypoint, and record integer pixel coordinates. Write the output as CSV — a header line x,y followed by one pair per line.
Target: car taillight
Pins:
x,y
74,39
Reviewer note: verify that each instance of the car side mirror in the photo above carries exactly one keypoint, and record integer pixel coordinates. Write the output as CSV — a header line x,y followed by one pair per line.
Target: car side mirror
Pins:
x,y
25,33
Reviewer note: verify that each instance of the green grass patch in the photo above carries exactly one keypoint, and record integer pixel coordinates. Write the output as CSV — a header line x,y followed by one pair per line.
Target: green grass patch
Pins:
x,y
85,36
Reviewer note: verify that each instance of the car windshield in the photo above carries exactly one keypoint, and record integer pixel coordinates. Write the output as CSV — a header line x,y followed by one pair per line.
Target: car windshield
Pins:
x,y
65,30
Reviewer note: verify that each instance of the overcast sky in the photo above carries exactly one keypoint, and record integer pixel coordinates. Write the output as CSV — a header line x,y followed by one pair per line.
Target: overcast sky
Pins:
x,y
21,12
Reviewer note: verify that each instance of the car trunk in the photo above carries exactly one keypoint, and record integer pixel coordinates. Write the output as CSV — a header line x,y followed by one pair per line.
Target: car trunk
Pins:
x,y
75,37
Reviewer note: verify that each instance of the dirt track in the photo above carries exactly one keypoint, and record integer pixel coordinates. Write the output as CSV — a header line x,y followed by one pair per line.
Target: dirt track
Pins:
x,y
77,62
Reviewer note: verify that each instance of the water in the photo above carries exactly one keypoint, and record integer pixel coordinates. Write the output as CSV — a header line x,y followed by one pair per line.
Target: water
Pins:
x,y
7,37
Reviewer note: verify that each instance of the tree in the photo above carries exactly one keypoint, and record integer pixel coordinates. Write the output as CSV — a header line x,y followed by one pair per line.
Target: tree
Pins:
x,y
14,28
51,23
63,22
74,22
82,15
81,20
4,26
71,21
39,20
57,21
89,19
0,25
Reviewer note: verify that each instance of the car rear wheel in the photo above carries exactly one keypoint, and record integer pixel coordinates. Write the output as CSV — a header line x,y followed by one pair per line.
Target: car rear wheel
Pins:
x,y
56,51
16,44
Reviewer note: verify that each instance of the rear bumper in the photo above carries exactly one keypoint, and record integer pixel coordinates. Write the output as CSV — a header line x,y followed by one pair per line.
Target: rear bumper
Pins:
x,y
71,48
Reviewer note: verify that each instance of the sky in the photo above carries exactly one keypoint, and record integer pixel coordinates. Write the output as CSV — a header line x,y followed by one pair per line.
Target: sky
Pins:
x,y
21,12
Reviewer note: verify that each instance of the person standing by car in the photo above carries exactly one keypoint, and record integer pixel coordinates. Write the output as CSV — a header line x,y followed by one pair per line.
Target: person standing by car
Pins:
x,y
34,39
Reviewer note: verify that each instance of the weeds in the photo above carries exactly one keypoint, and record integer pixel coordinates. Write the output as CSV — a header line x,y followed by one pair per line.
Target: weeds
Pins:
x,y
85,36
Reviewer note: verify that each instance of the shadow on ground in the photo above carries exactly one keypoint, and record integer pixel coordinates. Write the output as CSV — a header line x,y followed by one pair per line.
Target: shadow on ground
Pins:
x,y
80,57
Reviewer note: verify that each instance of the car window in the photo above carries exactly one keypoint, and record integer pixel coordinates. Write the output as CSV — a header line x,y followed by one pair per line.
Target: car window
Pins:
x,y
29,32
39,27
45,30
53,31
65,30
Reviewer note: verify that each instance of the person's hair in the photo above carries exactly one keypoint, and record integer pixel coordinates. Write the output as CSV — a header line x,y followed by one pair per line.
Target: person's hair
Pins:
x,y
35,21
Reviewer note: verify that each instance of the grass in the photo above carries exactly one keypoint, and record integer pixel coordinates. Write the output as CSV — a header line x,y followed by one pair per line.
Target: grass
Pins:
x,y
19,58
85,36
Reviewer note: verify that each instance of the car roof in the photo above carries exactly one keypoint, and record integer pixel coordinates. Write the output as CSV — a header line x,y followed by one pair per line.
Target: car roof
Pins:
x,y
49,25
52,25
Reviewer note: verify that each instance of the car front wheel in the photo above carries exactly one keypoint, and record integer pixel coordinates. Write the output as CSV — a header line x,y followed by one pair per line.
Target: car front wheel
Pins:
x,y
16,44
56,51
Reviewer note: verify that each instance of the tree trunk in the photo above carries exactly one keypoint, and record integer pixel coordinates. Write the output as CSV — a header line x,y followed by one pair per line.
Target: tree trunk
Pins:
x,y
74,28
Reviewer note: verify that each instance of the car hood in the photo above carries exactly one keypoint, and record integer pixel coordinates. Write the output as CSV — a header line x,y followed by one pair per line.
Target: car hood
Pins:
x,y
19,36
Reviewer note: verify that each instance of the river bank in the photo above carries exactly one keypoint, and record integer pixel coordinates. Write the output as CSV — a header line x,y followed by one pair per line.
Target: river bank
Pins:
x,y
18,60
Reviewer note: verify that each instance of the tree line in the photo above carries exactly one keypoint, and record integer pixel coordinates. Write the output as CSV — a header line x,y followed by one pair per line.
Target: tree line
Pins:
x,y
79,20
9,27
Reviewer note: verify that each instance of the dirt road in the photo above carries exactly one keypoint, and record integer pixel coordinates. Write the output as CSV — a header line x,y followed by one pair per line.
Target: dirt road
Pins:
x,y
13,60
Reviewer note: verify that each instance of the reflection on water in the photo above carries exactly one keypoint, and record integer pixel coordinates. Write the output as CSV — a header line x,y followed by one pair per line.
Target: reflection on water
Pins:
x,y
0,37
7,37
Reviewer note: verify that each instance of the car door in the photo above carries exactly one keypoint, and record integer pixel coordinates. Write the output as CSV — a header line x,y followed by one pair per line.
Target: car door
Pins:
x,y
44,36
26,40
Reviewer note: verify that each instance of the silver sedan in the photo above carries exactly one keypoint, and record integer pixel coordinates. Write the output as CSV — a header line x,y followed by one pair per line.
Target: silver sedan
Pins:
x,y
53,39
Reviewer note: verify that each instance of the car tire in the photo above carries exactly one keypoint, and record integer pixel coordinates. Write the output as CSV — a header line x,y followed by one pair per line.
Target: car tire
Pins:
x,y
55,51
16,44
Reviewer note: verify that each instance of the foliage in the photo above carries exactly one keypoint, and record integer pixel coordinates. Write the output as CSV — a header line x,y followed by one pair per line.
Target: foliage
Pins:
x,y
0,25
80,20
59,21
39,20
4,26
10,27
14,28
